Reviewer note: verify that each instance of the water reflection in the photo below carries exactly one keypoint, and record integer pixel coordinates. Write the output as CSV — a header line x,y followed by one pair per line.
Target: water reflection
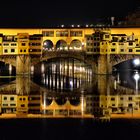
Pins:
x,y
62,75
69,89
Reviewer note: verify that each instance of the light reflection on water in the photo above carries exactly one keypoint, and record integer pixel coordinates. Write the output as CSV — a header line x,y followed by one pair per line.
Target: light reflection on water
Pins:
x,y
63,75
70,89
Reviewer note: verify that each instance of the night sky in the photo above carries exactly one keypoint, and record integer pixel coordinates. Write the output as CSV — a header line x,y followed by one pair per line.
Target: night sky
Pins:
x,y
44,13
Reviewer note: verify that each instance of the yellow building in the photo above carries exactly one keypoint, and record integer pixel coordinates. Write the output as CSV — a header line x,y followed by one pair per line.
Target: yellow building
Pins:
x,y
91,40
106,105
23,43
35,44
9,103
22,104
34,104
9,45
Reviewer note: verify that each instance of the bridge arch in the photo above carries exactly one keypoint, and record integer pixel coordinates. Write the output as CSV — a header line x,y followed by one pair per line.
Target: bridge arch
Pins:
x,y
75,45
60,101
75,101
61,45
48,45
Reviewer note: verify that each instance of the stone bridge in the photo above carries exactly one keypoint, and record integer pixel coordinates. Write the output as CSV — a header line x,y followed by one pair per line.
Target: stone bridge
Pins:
x,y
100,63
119,58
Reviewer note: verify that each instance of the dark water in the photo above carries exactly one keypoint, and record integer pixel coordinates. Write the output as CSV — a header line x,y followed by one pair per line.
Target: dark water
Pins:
x,y
73,129
71,80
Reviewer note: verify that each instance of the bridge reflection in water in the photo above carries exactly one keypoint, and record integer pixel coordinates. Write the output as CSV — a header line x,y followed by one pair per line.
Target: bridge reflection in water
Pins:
x,y
68,89
62,74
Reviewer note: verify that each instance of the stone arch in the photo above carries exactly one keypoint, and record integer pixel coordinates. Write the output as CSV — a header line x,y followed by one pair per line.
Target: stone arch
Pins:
x,y
48,101
75,101
48,45
118,59
61,45
7,67
75,45
60,100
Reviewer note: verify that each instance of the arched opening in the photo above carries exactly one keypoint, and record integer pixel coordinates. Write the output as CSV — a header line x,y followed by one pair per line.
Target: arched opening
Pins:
x,y
48,101
74,101
7,69
48,45
76,45
60,101
61,45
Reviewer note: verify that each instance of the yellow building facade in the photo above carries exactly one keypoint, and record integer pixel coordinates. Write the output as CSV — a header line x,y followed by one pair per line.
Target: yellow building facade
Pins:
x,y
91,40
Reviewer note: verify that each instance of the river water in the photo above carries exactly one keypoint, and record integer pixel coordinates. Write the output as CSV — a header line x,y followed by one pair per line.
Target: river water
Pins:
x,y
63,99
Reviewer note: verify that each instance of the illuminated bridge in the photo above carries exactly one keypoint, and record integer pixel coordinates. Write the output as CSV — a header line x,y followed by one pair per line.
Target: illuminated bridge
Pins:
x,y
101,48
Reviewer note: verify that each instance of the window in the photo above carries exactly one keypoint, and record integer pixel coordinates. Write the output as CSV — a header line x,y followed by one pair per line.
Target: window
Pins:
x,y
137,50
20,50
130,43
112,99
12,104
122,50
13,44
5,98
130,98
112,50
6,44
130,50
12,50
48,33
24,50
76,33
94,44
121,98
113,44
22,105
5,50
61,33
106,36
12,98
98,50
5,104
23,44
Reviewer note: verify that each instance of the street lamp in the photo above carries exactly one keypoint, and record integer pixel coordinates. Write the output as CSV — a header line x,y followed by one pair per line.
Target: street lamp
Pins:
x,y
136,62
136,77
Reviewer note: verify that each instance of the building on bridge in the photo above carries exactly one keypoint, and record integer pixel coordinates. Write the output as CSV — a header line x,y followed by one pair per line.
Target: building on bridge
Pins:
x,y
18,47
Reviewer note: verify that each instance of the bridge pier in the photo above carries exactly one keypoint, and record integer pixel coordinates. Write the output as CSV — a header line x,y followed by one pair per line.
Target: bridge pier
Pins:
x,y
103,65
22,85
23,64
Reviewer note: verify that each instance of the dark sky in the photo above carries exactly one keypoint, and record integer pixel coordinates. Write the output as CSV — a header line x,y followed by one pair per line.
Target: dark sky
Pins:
x,y
43,13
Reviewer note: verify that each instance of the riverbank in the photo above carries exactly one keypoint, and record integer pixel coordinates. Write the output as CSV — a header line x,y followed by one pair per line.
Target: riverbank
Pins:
x,y
39,116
